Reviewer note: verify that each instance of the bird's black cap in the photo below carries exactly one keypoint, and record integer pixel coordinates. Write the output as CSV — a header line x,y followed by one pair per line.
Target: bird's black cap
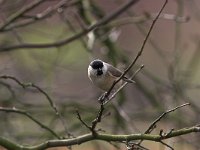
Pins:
x,y
96,64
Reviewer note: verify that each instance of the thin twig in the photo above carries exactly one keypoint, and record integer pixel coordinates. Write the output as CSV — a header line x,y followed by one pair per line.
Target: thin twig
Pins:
x,y
134,146
138,54
72,28
153,125
94,122
21,12
106,95
46,95
42,15
146,17
167,145
81,120
23,112
98,117
100,23
123,85
26,85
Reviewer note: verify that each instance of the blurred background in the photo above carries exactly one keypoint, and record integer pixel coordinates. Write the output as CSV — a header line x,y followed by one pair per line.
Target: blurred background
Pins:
x,y
170,76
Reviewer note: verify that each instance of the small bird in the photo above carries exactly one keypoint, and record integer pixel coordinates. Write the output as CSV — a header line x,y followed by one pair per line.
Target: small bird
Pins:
x,y
103,75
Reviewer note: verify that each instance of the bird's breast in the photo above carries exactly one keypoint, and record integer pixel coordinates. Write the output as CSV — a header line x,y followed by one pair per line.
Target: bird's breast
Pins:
x,y
104,82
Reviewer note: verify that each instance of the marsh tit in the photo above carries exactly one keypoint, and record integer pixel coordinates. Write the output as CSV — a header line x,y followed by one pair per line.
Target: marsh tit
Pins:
x,y
103,75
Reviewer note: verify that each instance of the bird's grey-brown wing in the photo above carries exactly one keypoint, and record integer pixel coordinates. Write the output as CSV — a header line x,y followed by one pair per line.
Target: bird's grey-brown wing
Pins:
x,y
114,71
117,73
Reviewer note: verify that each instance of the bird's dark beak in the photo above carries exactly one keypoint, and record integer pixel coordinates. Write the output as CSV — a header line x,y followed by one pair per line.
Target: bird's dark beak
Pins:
x,y
99,71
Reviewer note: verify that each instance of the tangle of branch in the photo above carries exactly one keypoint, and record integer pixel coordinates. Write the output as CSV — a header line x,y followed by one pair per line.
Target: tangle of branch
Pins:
x,y
100,23
23,112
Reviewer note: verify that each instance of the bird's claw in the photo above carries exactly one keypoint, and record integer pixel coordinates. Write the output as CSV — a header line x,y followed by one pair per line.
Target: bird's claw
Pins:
x,y
103,98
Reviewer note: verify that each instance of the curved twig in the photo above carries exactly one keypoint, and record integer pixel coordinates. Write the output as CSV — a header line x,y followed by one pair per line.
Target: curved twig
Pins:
x,y
23,112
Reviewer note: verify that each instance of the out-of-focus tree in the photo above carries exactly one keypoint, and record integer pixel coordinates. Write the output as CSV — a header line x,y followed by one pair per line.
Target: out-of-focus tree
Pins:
x,y
47,100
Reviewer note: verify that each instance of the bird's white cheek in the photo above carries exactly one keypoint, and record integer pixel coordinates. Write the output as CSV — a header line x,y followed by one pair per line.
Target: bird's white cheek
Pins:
x,y
104,69
91,71
92,74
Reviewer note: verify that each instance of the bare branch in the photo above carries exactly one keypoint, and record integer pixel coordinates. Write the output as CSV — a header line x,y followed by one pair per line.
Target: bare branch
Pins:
x,y
23,112
147,17
26,85
21,12
134,146
118,90
95,121
81,120
144,42
98,118
103,21
167,145
153,125
106,95
46,13
104,137
137,56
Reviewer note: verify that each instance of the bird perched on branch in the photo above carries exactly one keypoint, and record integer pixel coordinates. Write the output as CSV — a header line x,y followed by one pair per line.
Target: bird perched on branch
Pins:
x,y
103,75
